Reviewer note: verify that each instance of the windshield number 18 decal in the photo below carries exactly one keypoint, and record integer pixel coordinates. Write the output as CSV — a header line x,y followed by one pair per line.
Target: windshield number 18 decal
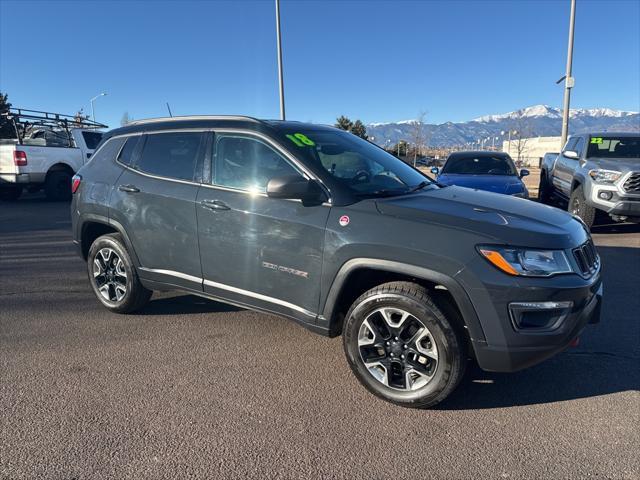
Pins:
x,y
301,140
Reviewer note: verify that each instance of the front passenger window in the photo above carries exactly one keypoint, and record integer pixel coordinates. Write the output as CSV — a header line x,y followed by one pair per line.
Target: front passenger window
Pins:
x,y
246,163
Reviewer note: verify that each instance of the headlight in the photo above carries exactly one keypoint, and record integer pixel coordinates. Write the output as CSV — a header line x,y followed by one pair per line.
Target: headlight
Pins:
x,y
604,176
526,262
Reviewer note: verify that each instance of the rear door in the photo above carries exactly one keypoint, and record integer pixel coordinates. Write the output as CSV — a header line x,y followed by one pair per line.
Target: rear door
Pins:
x,y
154,200
254,249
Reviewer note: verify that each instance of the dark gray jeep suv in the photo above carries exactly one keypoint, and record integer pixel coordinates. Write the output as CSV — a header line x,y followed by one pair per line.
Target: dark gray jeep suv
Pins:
x,y
312,223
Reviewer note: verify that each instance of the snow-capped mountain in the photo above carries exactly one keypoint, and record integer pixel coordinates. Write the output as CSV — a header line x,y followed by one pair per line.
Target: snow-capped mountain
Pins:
x,y
537,120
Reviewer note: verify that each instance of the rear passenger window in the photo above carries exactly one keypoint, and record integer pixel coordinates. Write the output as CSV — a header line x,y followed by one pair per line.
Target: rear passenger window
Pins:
x,y
108,150
171,155
127,151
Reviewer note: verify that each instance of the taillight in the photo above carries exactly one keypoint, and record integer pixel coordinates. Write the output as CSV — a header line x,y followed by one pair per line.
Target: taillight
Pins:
x,y
75,183
19,158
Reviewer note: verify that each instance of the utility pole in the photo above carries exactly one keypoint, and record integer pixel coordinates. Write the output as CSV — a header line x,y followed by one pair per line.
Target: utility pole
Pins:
x,y
280,76
569,81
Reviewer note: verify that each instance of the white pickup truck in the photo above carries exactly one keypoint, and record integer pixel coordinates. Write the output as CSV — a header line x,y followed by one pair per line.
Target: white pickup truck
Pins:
x,y
44,155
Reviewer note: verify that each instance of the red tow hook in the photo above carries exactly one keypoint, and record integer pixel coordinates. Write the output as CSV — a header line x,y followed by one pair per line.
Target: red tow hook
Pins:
x,y
575,342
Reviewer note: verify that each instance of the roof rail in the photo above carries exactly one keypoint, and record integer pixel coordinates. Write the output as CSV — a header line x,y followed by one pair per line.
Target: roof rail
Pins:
x,y
194,117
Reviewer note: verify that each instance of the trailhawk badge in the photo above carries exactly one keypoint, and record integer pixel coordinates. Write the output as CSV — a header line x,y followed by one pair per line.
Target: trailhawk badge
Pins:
x,y
344,220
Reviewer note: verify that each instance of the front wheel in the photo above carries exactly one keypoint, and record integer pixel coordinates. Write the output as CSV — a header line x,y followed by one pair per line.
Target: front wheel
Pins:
x,y
401,346
578,206
113,277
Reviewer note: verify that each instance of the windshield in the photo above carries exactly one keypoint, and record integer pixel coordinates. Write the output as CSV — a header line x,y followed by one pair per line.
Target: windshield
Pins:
x,y
614,147
480,165
358,164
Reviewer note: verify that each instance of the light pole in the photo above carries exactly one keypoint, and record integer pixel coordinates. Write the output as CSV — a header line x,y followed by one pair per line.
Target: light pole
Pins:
x,y
280,76
93,112
569,81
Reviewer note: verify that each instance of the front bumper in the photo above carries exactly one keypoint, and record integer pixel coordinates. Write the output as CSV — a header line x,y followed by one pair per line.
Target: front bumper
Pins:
x,y
614,199
507,348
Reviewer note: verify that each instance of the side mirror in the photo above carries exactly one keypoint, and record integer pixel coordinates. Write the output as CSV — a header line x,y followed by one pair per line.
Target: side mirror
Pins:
x,y
296,187
570,154
524,172
435,170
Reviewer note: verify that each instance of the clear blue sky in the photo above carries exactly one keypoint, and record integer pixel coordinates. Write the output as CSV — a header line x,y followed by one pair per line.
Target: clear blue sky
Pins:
x,y
374,60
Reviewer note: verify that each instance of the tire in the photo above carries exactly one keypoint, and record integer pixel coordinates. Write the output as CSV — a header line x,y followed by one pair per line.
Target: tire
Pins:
x,y
57,186
110,268
432,361
545,189
11,193
578,206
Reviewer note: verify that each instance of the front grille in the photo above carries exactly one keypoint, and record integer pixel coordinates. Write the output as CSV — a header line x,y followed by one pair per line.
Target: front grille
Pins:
x,y
587,258
632,185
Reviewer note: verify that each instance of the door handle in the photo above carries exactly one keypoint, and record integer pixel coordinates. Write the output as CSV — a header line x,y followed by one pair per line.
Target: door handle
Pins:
x,y
214,205
128,188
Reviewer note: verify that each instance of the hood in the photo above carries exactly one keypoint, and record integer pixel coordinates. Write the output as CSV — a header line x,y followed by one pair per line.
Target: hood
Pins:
x,y
499,218
620,164
508,184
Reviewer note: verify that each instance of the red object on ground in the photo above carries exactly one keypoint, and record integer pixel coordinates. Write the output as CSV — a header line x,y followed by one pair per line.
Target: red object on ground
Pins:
x,y
575,342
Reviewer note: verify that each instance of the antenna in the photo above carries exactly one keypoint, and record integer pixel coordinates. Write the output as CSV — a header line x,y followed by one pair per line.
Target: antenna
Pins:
x,y
169,108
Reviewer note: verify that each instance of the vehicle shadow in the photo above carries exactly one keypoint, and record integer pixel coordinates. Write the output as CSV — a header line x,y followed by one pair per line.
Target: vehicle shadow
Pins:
x,y
185,305
607,361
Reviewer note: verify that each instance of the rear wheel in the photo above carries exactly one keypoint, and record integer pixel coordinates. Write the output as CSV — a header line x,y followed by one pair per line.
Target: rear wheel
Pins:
x,y
10,193
578,206
401,346
57,186
113,277
545,190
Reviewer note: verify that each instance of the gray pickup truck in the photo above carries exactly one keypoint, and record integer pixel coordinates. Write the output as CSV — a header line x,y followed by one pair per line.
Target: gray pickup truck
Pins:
x,y
315,224
595,171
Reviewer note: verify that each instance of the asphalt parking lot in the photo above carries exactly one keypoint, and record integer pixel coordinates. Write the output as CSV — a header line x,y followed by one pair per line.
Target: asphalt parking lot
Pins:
x,y
191,388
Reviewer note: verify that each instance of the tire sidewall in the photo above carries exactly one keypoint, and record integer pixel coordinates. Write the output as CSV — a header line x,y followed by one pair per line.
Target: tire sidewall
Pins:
x,y
58,186
110,241
443,335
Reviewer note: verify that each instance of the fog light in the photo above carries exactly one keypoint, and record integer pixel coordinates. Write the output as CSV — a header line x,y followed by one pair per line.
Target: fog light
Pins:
x,y
604,195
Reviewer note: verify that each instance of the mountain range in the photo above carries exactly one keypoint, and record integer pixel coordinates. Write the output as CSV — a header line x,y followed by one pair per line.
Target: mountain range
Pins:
x,y
534,121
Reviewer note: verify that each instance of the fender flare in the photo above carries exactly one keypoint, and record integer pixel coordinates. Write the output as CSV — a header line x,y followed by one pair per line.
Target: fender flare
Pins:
x,y
93,218
463,302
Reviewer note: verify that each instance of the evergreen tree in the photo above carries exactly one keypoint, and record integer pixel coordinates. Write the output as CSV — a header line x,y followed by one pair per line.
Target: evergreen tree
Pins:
x,y
6,127
344,123
359,130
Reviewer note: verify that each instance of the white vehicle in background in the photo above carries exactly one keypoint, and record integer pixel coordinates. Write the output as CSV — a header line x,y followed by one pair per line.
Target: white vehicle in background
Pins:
x,y
47,152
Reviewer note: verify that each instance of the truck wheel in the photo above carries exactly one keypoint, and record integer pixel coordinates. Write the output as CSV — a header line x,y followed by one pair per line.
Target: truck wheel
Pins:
x,y
545,189
578,206
10,193
401,346
113,277
57,186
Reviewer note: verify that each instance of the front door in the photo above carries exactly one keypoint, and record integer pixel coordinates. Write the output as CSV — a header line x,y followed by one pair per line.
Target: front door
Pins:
x,y
154,200
565,167
252,246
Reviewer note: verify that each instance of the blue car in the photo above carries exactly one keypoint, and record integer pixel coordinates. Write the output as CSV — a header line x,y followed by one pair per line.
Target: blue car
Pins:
x,y
490,171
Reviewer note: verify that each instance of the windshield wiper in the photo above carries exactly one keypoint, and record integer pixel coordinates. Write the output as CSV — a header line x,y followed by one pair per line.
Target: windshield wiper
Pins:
x,y
420,186
381,193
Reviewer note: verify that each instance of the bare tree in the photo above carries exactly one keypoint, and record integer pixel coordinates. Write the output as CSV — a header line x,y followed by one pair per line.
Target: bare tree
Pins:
x,y
418,135
521,133
126,118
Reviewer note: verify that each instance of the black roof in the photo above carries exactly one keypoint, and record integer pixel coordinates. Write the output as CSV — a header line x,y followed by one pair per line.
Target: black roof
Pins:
x,y
208,121
479,153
